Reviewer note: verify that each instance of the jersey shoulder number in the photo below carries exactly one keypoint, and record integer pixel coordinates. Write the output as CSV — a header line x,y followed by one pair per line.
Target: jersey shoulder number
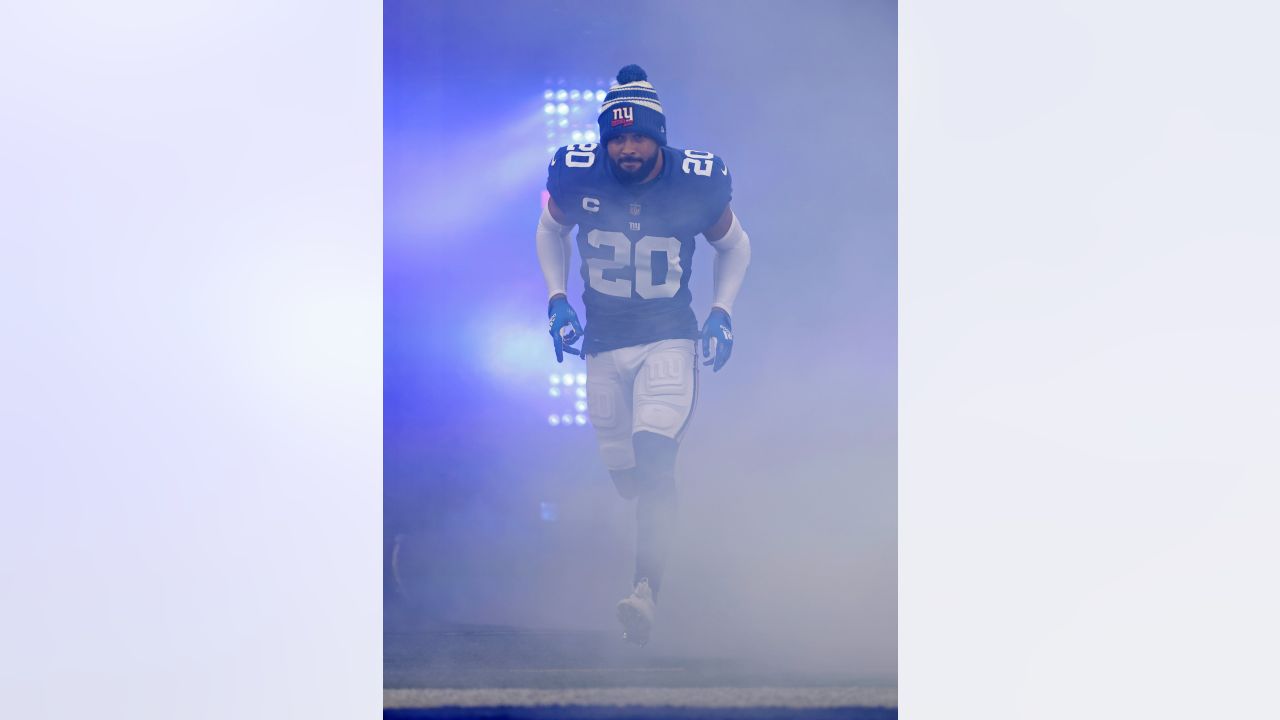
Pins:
x,y
701,163
571,167
706,177
581,155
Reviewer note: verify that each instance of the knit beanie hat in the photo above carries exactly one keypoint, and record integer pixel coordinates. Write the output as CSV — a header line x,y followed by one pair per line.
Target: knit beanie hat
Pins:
x,y
632,106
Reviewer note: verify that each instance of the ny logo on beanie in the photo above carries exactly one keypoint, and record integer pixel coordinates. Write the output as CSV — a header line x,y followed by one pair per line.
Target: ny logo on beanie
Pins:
x,y
623,116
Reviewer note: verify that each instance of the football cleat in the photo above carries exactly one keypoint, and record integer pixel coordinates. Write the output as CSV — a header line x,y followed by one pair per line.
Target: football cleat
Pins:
x,y
636,614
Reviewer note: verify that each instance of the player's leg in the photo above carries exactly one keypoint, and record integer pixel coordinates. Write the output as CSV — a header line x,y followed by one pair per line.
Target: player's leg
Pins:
x,y
665,392
609,407
655,505
610,376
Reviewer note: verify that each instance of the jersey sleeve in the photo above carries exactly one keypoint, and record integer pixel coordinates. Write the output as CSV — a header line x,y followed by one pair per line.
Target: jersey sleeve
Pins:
x,y
568,175
555,178
717,193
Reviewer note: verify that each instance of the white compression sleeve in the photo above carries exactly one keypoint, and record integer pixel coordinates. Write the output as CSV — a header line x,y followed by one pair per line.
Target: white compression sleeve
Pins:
x,y
733,254
554,253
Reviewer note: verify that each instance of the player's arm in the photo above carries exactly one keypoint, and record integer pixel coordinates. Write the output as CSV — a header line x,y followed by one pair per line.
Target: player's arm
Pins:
x,y
733,255
556,213
554,248
554,253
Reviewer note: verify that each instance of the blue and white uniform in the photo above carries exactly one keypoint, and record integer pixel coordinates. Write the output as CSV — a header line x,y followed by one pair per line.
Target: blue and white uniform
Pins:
x,y
636,241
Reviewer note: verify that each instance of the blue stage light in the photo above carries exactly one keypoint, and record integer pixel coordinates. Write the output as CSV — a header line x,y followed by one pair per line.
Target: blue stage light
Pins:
x,y
564,122
555,379
580,419
567,378
600,95
566,419
549,108
553,392
582,378
581,392
573,95
577,136
562,95
553,420
580,406
548,94
562,108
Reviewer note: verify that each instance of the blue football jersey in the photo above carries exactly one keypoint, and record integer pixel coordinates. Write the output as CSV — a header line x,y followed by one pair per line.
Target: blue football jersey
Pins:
x,y
636,242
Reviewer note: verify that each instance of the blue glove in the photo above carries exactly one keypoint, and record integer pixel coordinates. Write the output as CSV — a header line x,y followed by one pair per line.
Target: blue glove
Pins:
x,y
717,337
563,324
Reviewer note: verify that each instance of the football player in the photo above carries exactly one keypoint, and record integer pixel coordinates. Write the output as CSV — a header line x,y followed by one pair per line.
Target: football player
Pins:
x,y
638,205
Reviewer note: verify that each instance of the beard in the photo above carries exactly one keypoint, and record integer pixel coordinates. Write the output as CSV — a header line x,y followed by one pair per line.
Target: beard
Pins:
x,y
631,177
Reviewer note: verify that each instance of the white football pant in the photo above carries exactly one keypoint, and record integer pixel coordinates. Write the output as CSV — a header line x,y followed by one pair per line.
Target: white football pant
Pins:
x,y
649,387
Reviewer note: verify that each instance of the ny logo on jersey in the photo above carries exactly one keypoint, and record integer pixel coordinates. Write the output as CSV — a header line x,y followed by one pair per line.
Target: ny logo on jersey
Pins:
x,y
623,116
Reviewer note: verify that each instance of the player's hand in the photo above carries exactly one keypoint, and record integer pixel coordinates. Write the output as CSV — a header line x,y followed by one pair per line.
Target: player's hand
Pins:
x,y
717,339
562,321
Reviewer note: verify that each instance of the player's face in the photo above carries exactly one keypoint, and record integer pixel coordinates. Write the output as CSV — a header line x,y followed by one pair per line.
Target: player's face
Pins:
x,y
633,156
